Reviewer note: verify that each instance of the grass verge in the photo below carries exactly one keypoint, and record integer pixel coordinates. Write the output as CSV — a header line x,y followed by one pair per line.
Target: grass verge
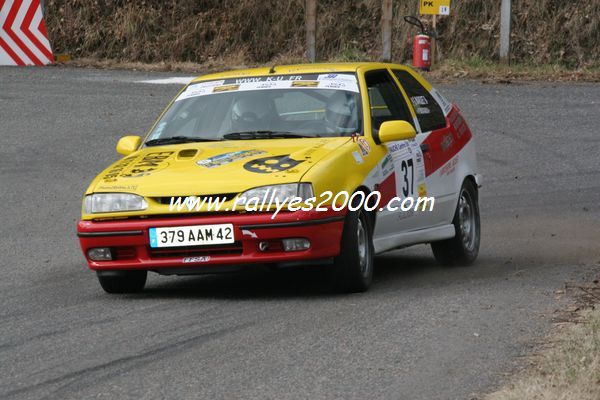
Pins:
x,y
477,68
568,369
449,70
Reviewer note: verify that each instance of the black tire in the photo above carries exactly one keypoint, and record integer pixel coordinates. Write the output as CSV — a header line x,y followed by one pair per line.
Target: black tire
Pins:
x,y
463,248
118,282
352,270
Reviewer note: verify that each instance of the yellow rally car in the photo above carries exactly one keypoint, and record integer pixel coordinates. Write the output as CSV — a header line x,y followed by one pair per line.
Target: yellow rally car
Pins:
x,y
291,165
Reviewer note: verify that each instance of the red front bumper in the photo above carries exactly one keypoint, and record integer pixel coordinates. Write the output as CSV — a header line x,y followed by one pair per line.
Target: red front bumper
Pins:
x,y
130,245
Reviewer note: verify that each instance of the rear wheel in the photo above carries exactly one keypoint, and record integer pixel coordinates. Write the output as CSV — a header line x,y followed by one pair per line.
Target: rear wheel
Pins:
x,y
122,281
463,248
353,268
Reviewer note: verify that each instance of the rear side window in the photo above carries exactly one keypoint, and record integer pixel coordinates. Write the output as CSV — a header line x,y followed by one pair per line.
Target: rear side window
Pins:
x,y
387,103
429,113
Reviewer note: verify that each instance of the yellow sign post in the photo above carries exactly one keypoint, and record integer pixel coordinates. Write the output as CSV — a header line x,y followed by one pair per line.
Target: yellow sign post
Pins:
x,y
434,7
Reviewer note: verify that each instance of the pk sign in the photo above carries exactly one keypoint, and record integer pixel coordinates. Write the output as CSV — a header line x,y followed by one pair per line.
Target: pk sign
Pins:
x,y
434,7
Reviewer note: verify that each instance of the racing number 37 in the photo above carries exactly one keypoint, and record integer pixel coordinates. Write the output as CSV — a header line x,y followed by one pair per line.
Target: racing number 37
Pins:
x,y
408,187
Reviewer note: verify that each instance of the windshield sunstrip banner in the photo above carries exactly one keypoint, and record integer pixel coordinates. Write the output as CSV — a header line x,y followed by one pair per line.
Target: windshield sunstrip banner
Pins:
x,y
346,82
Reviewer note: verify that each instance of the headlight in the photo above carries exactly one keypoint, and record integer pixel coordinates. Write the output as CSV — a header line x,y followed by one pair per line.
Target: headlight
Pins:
x,y
113,202
278,193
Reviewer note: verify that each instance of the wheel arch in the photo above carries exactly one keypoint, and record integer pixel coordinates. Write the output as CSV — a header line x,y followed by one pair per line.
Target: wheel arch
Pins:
x,y
372,214
471,178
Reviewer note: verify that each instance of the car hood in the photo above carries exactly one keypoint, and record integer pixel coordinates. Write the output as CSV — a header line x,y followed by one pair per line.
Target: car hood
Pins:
x,y
213,167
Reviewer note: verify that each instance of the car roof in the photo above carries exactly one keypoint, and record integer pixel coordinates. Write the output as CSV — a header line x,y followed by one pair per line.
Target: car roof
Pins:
x,y
298,69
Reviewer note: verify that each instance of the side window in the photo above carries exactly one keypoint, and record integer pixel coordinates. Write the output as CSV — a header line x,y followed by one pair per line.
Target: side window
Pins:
x,y
429,112
387,103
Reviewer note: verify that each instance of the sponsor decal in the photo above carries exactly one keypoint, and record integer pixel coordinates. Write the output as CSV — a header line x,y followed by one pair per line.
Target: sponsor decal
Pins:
x,y
462,130
132,167
196,259
325,77
449,167
225,88
387,166
266,85
277,78
452,118
252,234
422,110
458,123
332,85
420,164
193,91
357,157
209,84
444,104
345,82
305,84
406,214
149,163
269,165
403,147
447,141
337,77
422,189
365,149
419,101
127,188
114,172
226,158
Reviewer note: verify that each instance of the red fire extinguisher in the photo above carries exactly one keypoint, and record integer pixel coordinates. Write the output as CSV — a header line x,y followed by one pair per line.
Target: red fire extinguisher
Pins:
x,y
421,44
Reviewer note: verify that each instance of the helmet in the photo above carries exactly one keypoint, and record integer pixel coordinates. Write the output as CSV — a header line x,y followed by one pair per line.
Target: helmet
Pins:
x,y
341,113
251,113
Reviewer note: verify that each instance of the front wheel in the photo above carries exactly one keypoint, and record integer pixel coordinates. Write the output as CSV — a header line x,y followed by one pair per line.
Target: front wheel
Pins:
x,y
463,248
118,282
353,268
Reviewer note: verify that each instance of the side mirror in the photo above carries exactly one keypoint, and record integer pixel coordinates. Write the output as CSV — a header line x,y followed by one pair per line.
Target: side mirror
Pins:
x,y
128,144
391,131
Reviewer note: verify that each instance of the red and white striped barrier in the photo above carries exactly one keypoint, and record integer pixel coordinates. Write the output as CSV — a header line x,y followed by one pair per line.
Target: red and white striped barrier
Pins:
x,y
23,36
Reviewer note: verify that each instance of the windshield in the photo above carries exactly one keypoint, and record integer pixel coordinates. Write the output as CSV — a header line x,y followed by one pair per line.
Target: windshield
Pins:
x,y
263,107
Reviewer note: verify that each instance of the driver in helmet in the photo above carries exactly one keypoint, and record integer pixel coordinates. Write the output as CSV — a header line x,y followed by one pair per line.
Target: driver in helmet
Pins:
x,y
341,113
251,114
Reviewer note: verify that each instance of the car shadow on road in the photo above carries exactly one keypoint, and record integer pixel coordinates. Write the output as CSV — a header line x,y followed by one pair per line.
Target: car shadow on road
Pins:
x,y
392,271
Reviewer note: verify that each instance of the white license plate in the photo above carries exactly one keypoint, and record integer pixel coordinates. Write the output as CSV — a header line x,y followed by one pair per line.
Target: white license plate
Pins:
x,y
195,235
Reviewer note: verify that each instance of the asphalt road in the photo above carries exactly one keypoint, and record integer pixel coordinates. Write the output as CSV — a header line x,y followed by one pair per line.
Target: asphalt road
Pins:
x,y
421,332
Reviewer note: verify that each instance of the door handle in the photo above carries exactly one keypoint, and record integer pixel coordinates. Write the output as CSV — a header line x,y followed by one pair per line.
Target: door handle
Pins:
x,y
424,147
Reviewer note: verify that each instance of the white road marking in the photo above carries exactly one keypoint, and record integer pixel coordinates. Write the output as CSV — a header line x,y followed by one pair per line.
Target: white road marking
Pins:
x,y
176,80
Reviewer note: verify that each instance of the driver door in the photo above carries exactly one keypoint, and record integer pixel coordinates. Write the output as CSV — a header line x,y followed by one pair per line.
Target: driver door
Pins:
x,y
402,170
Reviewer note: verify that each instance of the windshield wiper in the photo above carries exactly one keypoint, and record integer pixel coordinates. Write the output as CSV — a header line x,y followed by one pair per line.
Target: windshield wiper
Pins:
x,y
177,139
264,135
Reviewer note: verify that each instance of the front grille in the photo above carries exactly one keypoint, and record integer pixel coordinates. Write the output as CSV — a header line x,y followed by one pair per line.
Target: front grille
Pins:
x,y
210,198
191,251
